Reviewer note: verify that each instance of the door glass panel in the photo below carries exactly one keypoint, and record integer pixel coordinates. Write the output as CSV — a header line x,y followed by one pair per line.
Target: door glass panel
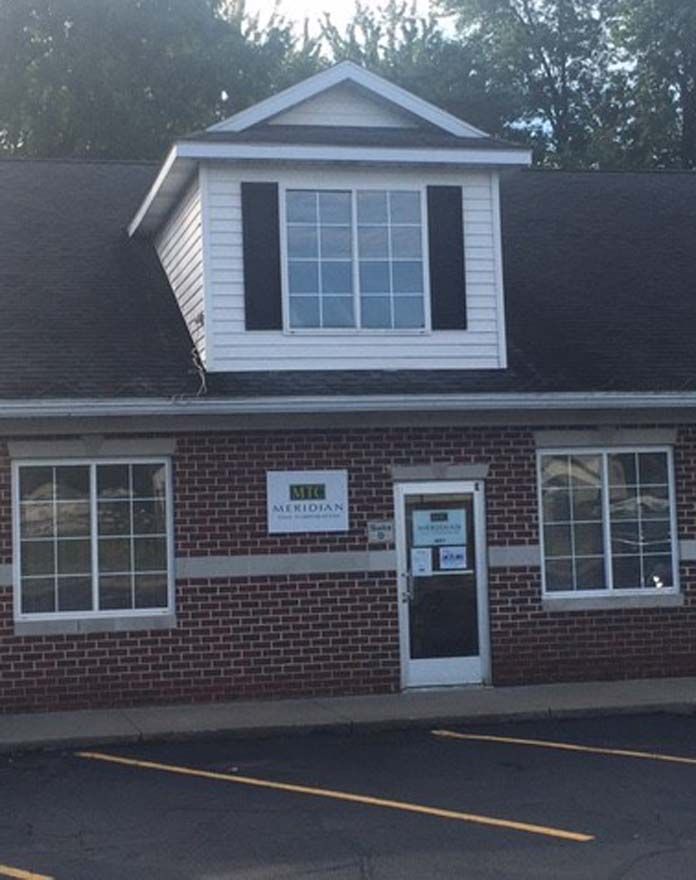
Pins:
x,y
440,545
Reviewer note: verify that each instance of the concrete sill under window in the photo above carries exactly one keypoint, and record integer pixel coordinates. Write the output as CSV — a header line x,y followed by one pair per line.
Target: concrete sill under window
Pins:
x,y
88,625
610,603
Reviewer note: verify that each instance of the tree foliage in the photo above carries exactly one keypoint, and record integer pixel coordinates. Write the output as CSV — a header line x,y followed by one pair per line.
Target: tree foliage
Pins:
x,y
589,83
554,55
656,41
413,50
123,78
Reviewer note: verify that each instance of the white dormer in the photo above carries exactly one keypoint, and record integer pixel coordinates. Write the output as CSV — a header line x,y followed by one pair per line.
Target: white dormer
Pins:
x,y
343,224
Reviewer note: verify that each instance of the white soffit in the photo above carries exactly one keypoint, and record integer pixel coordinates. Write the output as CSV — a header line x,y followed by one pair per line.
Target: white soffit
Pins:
x,y
348,72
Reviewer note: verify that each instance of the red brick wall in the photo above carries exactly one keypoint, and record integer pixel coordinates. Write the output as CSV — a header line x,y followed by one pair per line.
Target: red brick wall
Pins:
x,y
5,507
530,645
280,636
221,482
330,634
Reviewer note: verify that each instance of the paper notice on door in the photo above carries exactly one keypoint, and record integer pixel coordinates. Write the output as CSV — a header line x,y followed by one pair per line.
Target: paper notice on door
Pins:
x,y
432,528
421,561
453,558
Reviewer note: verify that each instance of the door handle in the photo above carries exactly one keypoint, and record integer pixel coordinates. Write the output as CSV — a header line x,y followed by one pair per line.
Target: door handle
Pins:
x,y
407,595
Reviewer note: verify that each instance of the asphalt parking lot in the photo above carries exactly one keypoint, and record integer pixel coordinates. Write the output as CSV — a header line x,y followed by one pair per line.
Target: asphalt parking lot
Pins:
x,y
384,805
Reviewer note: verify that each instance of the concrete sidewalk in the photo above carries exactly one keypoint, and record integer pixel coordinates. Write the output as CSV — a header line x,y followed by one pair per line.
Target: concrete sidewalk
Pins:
x,y
466,705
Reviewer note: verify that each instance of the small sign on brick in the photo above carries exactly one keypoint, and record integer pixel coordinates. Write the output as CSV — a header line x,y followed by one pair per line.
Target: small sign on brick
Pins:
x,y
380,531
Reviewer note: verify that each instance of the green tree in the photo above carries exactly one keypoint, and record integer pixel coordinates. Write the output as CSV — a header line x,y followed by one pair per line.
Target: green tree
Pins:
x,y
123,78
657,41
555,54
414,51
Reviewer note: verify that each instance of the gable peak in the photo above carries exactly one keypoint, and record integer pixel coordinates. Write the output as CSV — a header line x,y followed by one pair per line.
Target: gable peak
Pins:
x,y
392,98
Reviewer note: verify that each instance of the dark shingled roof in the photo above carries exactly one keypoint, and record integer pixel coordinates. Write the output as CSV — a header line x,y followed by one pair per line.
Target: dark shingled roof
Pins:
x,y
600,276
85,310
349,136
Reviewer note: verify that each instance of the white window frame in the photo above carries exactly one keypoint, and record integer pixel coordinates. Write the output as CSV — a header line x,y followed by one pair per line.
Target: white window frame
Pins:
x,y
610,590
95,613
353,188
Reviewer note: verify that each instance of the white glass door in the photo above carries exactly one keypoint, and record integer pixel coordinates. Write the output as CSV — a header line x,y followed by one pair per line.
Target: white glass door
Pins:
x,y
442,583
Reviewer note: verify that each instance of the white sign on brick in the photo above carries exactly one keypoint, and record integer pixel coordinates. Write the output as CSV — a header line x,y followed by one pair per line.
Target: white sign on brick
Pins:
x,y
307,501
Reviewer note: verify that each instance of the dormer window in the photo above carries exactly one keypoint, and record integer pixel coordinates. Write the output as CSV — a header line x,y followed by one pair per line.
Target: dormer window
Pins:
x,y
354,259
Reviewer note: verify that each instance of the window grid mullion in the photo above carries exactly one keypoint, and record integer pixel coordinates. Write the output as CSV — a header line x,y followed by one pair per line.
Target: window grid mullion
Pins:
x,y
131,540
54,503
673,525
639,514
355,259
571,519
94,535
606,525
320,286
390,262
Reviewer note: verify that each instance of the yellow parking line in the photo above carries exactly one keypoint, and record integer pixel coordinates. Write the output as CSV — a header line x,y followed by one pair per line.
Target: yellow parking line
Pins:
x,y
508,824
6,871
566,747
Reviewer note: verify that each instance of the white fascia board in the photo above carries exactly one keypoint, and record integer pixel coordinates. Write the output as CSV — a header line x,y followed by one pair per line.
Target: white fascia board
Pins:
x,y
195,406
374,155
347,71
199,151
153,191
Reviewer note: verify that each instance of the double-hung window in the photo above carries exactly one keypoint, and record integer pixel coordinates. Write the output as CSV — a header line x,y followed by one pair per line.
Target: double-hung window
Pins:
x,y
355,259
92,538
608,520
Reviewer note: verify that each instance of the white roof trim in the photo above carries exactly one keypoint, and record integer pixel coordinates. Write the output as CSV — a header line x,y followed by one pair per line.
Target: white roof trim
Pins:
x,y
347,71
196,406
153,191
434,156
325,153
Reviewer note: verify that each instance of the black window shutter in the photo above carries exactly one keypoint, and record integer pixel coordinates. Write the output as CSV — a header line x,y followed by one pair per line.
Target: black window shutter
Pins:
x,y
263,306
446,246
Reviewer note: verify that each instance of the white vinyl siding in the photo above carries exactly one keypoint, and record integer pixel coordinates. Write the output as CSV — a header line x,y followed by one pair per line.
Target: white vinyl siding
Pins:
x,y
480,346
344,105
179,246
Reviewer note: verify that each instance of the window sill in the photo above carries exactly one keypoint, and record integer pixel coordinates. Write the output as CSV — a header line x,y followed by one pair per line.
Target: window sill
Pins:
x,y
88,625
356,331
609,603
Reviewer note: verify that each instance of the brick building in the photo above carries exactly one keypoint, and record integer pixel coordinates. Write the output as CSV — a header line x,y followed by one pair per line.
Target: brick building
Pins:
x,y
342,398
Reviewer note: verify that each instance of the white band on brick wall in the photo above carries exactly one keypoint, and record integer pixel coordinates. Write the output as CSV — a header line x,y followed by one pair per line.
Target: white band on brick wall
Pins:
x,y
326,563
439,471
276,564
687,551
284,563
92,445
527,555
606,435
272,564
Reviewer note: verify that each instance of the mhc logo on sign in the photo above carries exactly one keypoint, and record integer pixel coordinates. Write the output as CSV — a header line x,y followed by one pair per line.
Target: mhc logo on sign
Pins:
x,y
307,501
315,491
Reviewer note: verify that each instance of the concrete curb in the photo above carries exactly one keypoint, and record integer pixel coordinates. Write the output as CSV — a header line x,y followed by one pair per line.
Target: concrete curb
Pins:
x,y
26,740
